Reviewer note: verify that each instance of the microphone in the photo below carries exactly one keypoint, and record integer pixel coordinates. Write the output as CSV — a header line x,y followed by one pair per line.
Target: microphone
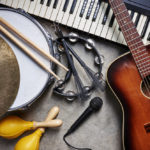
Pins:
x,y
95,105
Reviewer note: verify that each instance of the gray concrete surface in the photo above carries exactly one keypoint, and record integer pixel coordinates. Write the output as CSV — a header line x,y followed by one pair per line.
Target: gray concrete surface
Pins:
x,y
102,131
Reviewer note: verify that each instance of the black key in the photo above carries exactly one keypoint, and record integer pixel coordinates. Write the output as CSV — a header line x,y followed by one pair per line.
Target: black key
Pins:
x,y
83,8
48,3
73,6
145,27
55,4
148,38
132,14
137,20
96,11
90,9
112,21
42,2
32,0
65,5
106,15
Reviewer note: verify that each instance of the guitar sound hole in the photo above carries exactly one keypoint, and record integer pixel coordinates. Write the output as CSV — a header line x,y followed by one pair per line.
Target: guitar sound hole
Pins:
x,y
145,86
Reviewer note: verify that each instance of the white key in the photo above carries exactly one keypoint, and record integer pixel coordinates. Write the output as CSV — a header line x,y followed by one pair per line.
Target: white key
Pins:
x,y
26,5
61,12
49,10
73,16
9,2
66,14
83,19
142,24
111,30
106,26
146,34
89,21
117,32
56,11
15,3
3,2
37,8
124,42
100,26
95,23
134,17
21,4
43,9
32,6
77,17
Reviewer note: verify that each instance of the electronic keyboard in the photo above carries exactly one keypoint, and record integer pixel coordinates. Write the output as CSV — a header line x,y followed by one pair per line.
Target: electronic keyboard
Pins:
x,y
92,16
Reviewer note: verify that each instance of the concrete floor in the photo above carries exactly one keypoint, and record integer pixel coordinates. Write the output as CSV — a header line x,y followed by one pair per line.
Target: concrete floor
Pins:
x,y
102,131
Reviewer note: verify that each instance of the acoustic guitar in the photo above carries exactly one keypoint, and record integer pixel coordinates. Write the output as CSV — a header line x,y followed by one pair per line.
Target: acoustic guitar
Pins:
x,y
129,78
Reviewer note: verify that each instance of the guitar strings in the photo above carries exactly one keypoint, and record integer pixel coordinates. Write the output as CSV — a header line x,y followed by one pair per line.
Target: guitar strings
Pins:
x,y
145,81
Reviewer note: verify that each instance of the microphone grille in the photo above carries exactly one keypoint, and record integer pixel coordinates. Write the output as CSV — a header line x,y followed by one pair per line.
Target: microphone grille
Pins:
x,y
96,103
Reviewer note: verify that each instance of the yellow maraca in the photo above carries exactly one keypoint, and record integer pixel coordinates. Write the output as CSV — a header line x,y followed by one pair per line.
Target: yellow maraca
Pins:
x,y
31,142
12,126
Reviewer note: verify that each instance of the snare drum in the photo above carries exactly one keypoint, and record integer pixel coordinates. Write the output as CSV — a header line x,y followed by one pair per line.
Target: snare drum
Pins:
x,y
33,79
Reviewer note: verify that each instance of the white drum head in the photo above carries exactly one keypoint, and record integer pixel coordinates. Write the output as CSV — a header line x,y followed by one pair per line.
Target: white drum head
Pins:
x,y
33,79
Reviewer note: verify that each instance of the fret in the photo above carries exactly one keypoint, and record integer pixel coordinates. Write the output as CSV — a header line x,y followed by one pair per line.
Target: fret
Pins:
x,y
133,35
143,70
133,39
128,29
145,58
144,63
118,6
145,66
124,24
137,49
138,56
119,13
136,44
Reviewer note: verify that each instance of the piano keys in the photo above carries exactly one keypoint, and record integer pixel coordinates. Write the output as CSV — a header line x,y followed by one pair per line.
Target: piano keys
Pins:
x,y
91,16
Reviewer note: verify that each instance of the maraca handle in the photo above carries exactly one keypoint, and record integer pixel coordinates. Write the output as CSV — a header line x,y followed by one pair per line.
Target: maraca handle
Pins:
x,y
52,113
50,124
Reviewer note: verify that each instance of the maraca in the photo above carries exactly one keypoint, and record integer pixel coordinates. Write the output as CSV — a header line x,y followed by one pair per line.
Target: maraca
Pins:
x,y
13,126
31,142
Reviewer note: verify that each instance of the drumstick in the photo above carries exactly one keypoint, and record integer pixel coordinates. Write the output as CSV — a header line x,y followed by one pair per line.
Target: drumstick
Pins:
x,y
32,44
25,49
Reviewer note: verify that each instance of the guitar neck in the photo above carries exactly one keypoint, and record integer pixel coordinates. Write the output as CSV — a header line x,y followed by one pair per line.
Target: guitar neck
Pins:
x,y
132,37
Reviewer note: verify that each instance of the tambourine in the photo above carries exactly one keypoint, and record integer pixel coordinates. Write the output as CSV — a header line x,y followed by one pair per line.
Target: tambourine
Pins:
x,y
98,61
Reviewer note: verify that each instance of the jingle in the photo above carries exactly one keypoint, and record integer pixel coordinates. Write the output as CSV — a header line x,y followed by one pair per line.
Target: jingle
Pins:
x,y
60,85
87,91
73,38
70,95
90,44
97,61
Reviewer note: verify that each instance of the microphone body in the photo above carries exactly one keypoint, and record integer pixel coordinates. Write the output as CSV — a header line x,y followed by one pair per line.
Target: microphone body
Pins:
x,y
95,105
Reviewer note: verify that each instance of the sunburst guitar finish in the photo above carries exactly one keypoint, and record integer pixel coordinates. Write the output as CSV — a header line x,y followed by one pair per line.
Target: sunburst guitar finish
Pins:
x,y
126,83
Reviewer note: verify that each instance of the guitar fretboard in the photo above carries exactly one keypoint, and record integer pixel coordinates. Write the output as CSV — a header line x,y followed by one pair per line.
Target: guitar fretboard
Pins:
x,y
132,37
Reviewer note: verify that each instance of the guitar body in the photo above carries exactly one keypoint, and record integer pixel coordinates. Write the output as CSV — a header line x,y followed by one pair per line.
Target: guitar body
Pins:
x,y
125,81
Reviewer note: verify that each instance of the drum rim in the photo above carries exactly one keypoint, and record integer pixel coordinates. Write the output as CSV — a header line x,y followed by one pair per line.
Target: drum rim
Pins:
x,y
50,78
